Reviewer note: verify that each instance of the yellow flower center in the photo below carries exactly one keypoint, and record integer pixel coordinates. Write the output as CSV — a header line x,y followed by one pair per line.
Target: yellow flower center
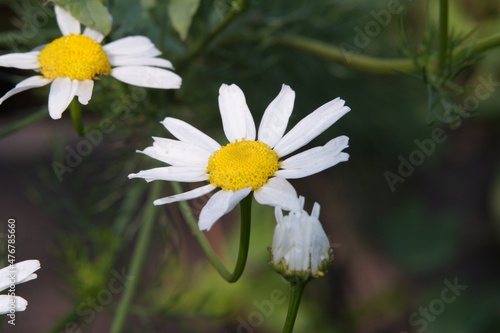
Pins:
x,y
242,164
75,56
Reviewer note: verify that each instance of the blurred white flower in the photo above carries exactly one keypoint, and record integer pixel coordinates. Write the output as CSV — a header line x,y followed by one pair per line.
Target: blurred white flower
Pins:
x,y
12,275
73,61
246,164
300,250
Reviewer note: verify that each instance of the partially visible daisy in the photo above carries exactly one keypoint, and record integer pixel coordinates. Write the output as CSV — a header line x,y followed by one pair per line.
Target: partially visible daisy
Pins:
x,y
11,275
246,164
73,61
301,250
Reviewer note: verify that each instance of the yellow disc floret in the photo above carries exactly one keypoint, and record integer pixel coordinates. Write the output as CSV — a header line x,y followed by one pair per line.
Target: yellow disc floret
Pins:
x,y
242,164
74,56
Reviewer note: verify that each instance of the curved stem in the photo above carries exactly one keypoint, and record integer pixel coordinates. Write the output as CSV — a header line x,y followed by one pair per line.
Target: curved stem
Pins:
x,y
32,118
443,34
480,45
348,56
76,115
245,211
293,305
137,260
246,217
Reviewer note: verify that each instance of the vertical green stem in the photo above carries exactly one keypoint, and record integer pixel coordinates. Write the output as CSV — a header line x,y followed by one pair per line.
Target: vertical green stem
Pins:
x,y
76,115
245,211
443,34
293,305
246,218
137,261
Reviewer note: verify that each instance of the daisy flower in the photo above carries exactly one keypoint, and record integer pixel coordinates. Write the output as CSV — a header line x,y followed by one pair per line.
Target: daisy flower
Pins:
x,y
12,275
246,164
72,62
301,250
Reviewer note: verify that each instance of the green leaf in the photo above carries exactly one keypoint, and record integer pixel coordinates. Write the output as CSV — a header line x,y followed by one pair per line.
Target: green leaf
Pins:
x,y
181,13
91,13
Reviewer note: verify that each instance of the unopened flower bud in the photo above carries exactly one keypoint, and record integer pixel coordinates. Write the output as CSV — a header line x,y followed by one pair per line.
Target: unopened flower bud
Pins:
x,y
301,250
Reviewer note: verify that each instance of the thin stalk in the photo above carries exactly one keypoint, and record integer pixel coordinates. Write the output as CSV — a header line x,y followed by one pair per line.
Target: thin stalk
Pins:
x,y
138,258
293,306
443,35
480,45
76,115
349,58
342,56
245,211
32,118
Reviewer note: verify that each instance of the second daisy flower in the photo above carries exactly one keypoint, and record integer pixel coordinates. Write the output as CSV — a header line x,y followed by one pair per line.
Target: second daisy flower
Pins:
x,y
246,164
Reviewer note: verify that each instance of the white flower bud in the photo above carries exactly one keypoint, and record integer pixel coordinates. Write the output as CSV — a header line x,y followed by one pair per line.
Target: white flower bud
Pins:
x,y
301,250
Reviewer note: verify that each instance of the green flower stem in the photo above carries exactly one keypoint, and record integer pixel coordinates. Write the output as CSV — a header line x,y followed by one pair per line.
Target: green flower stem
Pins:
x,y
293,305
245,210
359,61
137,260
32,118
76,115
479,46
336,54
443,34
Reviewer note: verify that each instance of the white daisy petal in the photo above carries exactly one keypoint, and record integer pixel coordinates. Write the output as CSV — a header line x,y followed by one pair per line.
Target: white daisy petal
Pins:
x,y
308,158
6,302
23,271
316,210
155,153
84,91
189,134
141,61
237,120
29,83
132,45
67,23
62,91
311,126
94,34
320,165
149,77
172,173
278,192
314,160
28,60
275,118
218,205
180,153
115,59
196,193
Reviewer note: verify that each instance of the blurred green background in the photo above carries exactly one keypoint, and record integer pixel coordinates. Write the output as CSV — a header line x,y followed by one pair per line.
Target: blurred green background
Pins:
x,y
401,245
